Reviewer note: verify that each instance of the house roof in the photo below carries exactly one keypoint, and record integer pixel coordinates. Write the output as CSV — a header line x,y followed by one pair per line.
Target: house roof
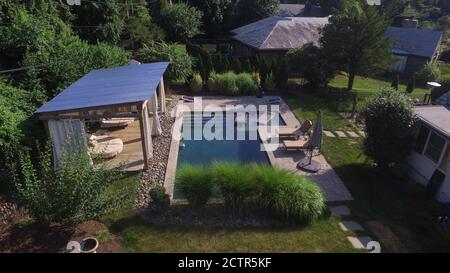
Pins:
x,y
281,33
112,86
444,100
291,10
436,116
414,41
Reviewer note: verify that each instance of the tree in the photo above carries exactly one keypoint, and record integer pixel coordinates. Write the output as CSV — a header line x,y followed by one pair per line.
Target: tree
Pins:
x,y
430,72
328,6
73,193
181,63
355,41
310,63
99,21
389,120
217,15
250,11
181,21
411,85
280,73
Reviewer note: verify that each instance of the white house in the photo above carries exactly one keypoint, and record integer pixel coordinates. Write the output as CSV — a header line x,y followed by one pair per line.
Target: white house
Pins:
x,y
430,158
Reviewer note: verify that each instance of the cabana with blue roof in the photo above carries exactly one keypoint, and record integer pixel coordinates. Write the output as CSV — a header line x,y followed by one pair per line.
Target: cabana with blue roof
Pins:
x,y
108,96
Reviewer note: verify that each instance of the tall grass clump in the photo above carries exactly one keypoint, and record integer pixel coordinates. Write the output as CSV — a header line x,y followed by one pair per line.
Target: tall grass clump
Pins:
x,y
246,84
233,84
285,195
195,183
235,182
226,83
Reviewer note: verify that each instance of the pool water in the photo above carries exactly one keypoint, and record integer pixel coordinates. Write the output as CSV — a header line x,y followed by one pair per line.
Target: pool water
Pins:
x,y
205,152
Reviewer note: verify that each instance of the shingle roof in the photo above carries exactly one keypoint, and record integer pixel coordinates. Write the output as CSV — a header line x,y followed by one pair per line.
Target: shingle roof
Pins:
x,y
291,10
103,87
413,41
437,117
281,32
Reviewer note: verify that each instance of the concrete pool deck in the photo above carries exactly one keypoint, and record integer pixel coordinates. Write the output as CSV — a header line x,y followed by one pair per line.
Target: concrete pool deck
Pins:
x,y
327,179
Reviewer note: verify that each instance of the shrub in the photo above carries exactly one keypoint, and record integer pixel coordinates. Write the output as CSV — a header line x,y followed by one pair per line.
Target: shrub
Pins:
x,y
286,195
73,193
195,183
212,83
430,72
181,63
159,199
226,83
235,182
196,83
389,120
246,84
269,85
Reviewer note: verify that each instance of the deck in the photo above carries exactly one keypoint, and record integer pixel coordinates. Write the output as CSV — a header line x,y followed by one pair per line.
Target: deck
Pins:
x,y
131,156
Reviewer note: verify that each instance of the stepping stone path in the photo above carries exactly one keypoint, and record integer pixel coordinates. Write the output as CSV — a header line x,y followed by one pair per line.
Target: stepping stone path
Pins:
x,y
340,134
350,226
340,211
359,242
352,134
362,133
328,133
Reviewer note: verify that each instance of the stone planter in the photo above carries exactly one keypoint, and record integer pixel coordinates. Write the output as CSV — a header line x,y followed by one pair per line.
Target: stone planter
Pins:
x,y
89,245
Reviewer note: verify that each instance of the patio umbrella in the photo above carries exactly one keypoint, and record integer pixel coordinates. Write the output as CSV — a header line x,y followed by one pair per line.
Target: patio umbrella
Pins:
x,y
315,142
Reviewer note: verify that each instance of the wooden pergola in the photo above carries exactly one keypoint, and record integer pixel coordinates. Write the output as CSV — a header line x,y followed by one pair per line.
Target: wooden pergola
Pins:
x,y
130,91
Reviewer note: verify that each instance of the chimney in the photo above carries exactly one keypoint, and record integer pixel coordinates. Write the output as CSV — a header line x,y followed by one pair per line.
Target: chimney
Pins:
x,y
410,23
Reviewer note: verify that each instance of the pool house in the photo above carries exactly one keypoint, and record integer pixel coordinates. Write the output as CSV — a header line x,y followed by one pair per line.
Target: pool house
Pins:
x,y
112,112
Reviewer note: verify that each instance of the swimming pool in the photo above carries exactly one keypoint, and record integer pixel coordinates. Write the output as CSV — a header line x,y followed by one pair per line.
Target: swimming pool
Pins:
x,y
203,151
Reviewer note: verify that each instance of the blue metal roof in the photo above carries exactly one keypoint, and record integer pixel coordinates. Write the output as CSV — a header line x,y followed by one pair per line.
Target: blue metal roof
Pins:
x,y
414,41
103,87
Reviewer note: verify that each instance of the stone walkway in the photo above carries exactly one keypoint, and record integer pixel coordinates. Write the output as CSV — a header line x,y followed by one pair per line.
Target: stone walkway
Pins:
x,y
358,241
345,134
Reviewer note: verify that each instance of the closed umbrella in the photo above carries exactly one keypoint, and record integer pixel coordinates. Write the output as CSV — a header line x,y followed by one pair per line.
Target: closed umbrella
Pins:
x,y
315,142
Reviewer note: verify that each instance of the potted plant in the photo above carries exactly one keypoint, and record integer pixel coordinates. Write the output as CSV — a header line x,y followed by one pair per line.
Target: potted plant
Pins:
x,y
89,245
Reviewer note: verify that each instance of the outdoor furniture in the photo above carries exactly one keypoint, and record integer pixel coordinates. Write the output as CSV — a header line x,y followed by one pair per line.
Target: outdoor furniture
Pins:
x,y
116,122
308,145
105,146
187,98
288,131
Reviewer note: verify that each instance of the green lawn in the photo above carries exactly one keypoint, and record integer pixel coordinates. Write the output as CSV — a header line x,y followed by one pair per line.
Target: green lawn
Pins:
x,y
366,86
402,207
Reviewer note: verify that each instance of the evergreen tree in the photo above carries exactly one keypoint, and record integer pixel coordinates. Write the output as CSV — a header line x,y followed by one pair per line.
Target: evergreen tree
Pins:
x,y
236,65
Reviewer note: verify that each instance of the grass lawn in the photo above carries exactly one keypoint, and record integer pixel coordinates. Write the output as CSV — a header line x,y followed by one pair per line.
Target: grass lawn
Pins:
x,y
138,235
402,207
367,86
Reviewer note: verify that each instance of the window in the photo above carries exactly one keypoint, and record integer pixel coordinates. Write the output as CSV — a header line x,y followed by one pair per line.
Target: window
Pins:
x,y
421,139
434,147
445,160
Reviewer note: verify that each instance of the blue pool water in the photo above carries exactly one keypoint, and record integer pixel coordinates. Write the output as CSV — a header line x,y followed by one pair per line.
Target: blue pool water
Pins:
x,y
204,151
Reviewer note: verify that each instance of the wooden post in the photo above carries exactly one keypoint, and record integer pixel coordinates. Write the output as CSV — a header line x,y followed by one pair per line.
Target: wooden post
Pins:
x,y
144,135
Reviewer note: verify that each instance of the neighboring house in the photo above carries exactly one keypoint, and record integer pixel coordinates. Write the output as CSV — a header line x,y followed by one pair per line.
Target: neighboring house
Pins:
x,y
291,10
413,48
430,158
272,37
444,100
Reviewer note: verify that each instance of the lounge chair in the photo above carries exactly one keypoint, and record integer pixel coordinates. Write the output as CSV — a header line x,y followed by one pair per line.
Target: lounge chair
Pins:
x,y
105,146
295,132
300,144
116,122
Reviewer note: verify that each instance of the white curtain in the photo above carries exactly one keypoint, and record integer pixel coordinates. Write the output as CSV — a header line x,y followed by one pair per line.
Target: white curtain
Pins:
x,y
156,128
162,94
147,126
70,132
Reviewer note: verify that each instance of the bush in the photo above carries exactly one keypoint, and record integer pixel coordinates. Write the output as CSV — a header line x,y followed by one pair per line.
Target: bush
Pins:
x,y
389,120
181,63
196,83
159,199
226,83
429,73
212,83
246,84
235,182
287,195
195,183
73,193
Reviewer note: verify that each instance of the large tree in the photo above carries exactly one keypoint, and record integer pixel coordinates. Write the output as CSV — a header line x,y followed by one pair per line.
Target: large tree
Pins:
x,y
217,15
247,11
180,21
355,40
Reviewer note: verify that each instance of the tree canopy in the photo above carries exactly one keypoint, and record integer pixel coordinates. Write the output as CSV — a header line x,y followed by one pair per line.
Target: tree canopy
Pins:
x,y
354,40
